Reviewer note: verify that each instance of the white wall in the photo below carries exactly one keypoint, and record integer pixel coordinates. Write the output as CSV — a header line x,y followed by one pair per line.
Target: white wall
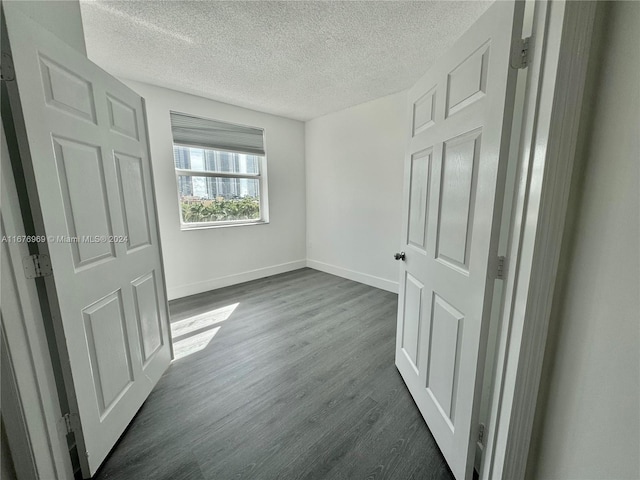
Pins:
x,y
205,259
590,427
61,17
354,160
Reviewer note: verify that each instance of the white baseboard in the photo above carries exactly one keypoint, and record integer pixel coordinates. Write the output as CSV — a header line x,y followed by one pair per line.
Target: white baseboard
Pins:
x,y
365,278
199,287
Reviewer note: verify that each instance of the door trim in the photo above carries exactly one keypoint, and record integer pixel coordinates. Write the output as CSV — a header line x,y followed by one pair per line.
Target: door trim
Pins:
x,y
561,43
29,357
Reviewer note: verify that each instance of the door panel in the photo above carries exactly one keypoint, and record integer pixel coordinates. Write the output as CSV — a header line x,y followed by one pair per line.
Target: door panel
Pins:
x,y
122,118
132,198
424,112
412,320
467,82
148,316
418,198
88,173
67,91
454,179
106,332
457,199
444,355
81,170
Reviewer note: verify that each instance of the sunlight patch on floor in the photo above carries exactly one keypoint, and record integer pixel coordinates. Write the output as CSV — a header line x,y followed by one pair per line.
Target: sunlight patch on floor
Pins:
x,y
183,347
202,320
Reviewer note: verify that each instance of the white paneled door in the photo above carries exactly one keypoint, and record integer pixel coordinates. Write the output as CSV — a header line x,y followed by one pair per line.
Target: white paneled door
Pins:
x,y
88,172
459,131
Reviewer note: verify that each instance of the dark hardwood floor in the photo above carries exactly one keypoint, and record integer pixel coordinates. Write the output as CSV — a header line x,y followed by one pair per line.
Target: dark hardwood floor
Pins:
x,y
299,382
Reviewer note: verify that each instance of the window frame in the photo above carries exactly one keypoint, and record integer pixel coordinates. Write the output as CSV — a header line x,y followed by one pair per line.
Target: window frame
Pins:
x,y
261,176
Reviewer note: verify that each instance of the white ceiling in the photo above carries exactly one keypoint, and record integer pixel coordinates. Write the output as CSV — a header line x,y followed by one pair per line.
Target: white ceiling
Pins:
x,y
298,59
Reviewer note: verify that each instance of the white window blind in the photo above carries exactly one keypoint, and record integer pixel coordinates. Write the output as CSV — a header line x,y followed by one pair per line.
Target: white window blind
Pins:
x,y
201,132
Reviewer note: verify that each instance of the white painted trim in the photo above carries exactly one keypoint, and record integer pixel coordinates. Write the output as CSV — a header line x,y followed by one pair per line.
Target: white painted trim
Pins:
x,y
561,45
220,282
28,351
21,454
365,278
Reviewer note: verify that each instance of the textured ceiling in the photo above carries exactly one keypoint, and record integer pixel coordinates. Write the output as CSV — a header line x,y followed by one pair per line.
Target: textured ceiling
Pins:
x,y
297,59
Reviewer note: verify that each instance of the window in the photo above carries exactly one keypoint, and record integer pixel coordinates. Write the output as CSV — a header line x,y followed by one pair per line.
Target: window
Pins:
x,y
220,172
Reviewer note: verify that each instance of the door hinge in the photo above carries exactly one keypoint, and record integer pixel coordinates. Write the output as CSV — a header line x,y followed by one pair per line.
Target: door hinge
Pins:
x,y
501,269
520,54
69,427
481,434
7,73
36,266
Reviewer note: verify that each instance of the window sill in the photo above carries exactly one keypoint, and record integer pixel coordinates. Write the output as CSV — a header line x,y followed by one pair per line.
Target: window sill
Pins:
x,y
206,226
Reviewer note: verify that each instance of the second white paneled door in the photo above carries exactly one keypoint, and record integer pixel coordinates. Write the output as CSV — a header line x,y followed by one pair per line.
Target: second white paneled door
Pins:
x,y
87,165
459,131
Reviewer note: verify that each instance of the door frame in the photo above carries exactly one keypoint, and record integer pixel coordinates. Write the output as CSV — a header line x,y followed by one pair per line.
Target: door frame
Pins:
x,y
559,52
41,444
547,149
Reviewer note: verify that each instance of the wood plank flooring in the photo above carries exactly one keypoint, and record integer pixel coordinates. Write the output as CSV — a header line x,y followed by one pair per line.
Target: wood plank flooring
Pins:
x,y
298,382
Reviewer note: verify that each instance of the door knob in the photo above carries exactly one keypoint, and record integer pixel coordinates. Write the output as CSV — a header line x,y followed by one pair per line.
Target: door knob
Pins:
x,y
399,256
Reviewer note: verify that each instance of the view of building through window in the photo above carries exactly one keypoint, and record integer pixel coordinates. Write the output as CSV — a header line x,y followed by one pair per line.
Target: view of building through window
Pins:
x,y
217,186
